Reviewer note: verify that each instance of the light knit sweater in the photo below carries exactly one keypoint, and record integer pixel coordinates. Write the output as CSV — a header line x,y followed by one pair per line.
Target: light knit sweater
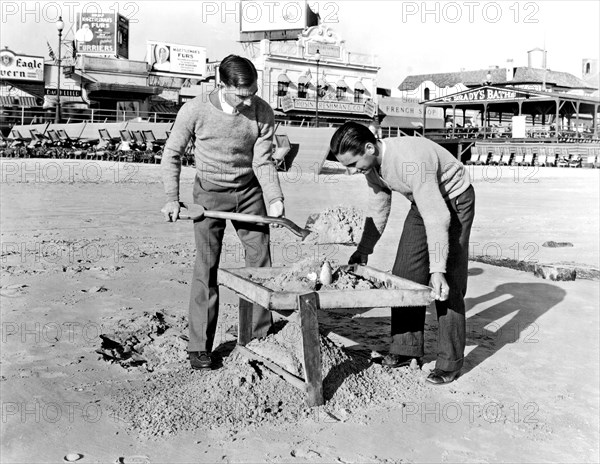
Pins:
x,y
425,173
229,149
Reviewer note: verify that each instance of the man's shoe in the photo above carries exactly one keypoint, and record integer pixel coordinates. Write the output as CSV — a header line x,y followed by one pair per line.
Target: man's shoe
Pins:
x,y
200,360
397,360
440,377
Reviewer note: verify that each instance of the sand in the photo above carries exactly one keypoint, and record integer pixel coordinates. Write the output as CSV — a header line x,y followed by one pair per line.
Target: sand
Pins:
x,y
88,265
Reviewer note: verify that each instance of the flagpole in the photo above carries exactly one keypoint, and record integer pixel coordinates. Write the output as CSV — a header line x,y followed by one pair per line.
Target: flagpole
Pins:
x,y
59,26
318,57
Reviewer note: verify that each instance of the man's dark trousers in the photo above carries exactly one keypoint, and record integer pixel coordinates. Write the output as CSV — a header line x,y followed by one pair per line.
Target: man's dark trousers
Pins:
x,y
412,262
204,299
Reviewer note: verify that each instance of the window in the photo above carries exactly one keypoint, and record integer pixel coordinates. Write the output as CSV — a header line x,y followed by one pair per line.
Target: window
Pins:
x,y
340,93
358,95
301,90
426,93
282,89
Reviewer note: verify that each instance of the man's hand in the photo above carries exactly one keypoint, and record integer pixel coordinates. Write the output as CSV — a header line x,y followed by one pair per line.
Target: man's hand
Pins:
x,y
358,258
276,209
171,211
440,286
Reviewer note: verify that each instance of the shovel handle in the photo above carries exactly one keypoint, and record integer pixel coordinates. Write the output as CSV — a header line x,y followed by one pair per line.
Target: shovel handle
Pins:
x,y
252,218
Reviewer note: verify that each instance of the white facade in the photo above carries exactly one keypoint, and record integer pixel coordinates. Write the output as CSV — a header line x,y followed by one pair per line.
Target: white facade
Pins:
x,y
288,76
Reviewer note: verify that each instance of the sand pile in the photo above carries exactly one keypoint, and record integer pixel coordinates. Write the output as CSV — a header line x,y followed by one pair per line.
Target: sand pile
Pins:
x,y
342,225
303,276
152,341
243,393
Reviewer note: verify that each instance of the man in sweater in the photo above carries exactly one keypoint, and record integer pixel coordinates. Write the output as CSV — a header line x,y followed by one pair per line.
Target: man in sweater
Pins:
x,y
434,244
232,131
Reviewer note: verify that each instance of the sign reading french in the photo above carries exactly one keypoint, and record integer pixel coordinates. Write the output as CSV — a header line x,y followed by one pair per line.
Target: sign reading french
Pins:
x,y
21,67
188,60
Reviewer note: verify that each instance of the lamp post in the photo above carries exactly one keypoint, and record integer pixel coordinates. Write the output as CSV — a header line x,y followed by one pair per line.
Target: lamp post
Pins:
x,y
59,26
318,58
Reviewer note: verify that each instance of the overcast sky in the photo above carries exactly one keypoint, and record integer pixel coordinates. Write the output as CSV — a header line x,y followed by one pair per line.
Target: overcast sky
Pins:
x,y
408,37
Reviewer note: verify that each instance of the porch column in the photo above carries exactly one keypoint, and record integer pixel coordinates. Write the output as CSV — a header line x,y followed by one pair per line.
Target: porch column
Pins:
x,y
557,116
453,119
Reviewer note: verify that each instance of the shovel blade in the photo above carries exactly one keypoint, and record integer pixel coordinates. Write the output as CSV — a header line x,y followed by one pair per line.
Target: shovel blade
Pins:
x,y
312,219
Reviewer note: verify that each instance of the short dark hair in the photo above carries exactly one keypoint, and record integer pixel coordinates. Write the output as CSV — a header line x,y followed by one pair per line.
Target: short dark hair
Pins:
x,y
351,137
237,71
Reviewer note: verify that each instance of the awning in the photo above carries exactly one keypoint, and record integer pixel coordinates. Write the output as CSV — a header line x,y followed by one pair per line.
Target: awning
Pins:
x,y
342,83
303,80
359,86
283,78
404,122
27,101
7,101
107,90
164,108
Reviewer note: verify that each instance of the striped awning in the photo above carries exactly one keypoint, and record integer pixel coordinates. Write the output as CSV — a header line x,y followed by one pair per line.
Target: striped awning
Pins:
x,y
324,84
283,78
27,101
7,101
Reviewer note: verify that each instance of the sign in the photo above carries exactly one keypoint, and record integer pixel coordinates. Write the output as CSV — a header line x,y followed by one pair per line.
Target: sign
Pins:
x,y
211,68
519,127
370,108
485,94
21,67
102,34
289,103
122,36
64,92
178,59
328,50
407,107
260,16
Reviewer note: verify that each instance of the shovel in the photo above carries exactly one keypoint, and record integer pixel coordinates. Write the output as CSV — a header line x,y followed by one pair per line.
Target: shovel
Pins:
x,y
196,212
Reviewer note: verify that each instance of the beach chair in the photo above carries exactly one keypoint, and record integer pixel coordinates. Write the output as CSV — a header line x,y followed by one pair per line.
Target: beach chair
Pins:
x,y
496,156
528,157
189,158
474,156
281,147
564,156
507,155
484,154
596,154
517,159
19,144
106,149
154,145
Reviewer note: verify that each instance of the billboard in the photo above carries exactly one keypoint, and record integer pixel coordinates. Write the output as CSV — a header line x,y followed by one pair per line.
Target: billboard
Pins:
x,y
102,34
275,20
185,60
21,67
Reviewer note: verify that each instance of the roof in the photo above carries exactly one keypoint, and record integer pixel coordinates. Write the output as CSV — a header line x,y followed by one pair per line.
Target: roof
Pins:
x,y
122,88
498,76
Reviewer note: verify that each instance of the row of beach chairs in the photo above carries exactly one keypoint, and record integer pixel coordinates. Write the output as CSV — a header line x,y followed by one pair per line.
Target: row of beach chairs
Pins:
x,y
540,155
130,146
